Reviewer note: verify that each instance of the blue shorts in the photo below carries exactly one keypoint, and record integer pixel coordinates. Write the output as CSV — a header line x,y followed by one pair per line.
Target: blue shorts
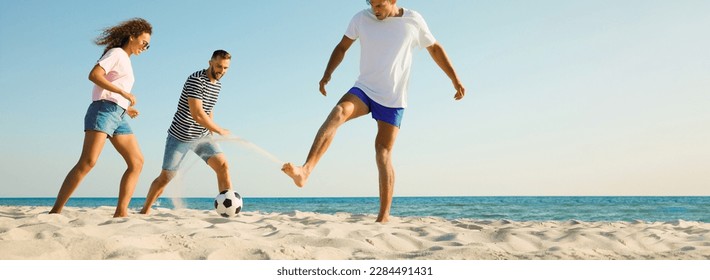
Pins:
x,y
107,117
389,115
176,150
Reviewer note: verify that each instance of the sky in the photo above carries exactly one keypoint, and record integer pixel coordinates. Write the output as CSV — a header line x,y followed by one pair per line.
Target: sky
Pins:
x,y
599,97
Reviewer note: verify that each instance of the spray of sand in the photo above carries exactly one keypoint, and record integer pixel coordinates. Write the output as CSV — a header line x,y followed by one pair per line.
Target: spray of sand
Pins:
x,y
251,146
189,162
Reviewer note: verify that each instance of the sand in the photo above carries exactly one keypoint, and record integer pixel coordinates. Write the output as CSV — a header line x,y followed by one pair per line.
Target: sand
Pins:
x,y
29,233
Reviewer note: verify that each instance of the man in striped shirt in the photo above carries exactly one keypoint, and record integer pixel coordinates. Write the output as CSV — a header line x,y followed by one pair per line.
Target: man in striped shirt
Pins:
x,y
193,126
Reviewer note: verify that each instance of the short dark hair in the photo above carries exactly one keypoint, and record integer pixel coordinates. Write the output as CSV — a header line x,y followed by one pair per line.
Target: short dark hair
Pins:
x,y
370,3
221,54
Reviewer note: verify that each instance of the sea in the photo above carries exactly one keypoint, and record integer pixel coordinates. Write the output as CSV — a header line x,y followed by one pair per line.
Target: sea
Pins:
x,y
514,208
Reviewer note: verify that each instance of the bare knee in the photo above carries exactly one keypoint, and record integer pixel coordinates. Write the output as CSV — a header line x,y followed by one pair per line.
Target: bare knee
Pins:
x,y
384,142
219,164
339,114
383,153
135,163
85,165
222,166
163,179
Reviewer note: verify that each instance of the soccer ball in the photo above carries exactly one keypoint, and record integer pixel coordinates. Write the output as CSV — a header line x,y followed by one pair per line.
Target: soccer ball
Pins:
x,y
228,203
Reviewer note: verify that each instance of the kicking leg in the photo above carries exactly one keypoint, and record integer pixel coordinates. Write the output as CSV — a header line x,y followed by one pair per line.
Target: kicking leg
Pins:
x,y
349,107
219,164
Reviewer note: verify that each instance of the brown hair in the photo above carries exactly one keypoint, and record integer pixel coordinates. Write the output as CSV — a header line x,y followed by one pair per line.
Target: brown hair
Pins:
x,y
117,36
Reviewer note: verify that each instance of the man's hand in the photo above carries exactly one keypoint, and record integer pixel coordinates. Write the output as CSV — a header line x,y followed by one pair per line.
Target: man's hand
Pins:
x,y
223,132
460,91
324,81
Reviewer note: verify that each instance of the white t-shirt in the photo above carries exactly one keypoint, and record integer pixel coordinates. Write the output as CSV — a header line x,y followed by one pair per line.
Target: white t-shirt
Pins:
x,y
119,72
386,48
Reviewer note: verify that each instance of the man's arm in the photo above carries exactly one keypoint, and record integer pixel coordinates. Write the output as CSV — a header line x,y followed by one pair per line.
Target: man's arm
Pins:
x,y
202,118
439,55
335,59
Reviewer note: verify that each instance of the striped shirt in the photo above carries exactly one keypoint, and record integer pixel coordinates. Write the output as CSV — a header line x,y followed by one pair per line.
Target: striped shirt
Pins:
x,y
197,86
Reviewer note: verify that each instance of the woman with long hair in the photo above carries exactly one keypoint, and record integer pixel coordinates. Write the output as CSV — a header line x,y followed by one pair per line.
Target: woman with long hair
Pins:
x,y
107,116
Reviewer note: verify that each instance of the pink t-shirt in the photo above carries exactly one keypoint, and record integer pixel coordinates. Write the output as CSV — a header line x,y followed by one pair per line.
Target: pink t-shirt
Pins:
x,y
119,72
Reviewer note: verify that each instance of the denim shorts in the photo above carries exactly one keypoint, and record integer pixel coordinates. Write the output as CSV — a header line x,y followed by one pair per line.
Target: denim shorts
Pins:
x,y
107,117
176,150
389,115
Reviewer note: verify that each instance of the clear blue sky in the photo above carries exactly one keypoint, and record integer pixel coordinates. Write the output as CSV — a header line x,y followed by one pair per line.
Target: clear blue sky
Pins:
x,y
599,97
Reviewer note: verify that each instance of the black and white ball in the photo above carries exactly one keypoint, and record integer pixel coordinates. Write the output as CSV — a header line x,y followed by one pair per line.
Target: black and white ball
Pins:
x,y
228,203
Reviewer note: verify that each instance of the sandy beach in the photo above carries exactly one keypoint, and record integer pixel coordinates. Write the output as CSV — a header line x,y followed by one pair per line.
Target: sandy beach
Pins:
x,y
29,233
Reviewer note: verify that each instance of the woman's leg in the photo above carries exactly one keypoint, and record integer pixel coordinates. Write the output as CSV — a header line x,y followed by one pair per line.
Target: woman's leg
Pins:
x,y
93,144
127,146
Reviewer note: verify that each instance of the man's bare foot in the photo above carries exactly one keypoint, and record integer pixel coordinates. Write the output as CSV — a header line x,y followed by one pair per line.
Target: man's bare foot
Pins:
x,y
297,173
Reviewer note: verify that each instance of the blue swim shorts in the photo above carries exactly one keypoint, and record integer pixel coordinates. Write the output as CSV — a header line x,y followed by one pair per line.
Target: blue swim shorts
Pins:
x,y
389,115
176,150
107,117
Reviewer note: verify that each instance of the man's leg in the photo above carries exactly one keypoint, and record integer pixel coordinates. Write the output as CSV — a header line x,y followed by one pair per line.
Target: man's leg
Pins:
x,y
219,164
349,107
127,146
384,142
156,189
173,156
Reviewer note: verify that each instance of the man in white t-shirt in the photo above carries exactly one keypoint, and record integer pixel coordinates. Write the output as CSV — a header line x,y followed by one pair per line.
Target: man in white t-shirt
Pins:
x,y
388,36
